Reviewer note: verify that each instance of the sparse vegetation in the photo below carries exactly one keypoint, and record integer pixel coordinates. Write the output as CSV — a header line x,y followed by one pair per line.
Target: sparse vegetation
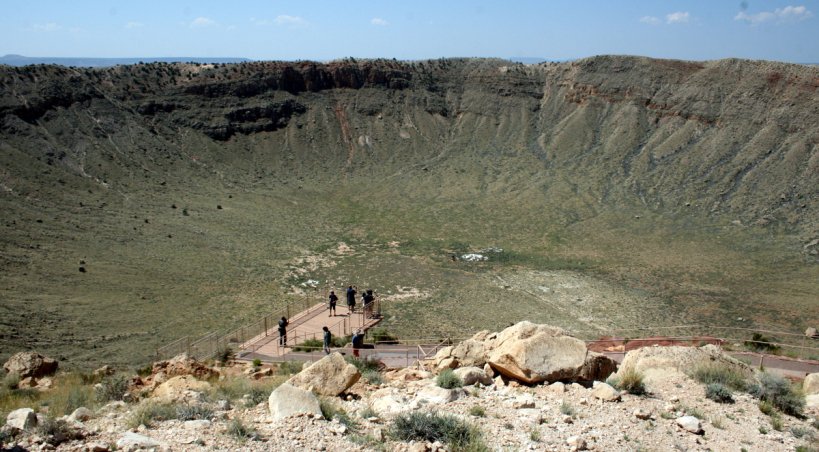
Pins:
x,y
448,380
241,431
193,412
257,362
631,381
332,411
57,431
780,393
721,374
567,409
111,388
477,411
149,412
718,393
432,427
761,343
289,367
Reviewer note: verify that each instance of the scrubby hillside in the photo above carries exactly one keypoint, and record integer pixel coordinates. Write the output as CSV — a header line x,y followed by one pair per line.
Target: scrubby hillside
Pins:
x,y
144,202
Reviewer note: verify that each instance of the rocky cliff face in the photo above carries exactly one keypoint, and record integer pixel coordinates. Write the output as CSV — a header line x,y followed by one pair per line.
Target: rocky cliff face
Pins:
x,y
185,188
724,137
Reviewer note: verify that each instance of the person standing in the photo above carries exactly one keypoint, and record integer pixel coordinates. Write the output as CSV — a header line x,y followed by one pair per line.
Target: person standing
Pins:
x,y
350,300
283,331
333,300
358,342
328,337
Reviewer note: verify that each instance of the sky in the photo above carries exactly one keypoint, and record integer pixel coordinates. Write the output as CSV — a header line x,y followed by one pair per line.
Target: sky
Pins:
x,y
411,30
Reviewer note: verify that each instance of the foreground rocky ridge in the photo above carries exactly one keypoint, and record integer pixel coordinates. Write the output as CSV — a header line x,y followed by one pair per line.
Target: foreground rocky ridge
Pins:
x,y
558,416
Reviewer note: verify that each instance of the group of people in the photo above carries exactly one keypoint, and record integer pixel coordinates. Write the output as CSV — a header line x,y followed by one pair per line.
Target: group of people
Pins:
x,y
367,299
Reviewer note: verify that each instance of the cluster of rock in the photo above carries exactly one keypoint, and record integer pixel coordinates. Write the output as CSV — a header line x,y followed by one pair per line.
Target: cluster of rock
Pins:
x,y
519,394
527,353
33,369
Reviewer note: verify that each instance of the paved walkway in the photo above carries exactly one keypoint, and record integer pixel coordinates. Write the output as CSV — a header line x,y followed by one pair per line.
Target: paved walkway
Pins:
x,y
306,325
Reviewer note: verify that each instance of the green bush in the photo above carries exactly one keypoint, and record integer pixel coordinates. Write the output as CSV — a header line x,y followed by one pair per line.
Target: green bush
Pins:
x,y
448,380
722,374
718,393
11,381
477,411
257,362
632,382
111,388
432,427
780,393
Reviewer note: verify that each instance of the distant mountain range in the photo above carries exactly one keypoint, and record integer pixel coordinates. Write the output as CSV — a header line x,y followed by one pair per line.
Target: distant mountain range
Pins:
x,y
20,60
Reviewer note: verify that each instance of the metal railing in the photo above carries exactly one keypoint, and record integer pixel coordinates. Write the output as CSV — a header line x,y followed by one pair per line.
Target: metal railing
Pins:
x,y
213,343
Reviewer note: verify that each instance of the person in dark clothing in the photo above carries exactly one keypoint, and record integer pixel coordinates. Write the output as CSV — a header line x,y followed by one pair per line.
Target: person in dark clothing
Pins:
x,y
358,342
351,300
368,303
333,300
328,337
283,331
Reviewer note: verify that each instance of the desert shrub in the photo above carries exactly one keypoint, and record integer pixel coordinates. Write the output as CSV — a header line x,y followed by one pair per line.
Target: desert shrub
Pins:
x,y
567,409
225,355
799,432
289,367
373,377
331,411
762,343
766,408
57,431
721,374
631,381
776,423
148,413
11,381
111,388
448,380
477,411
780,393
193,412
691,411
239,430
718,393
432,427
257,362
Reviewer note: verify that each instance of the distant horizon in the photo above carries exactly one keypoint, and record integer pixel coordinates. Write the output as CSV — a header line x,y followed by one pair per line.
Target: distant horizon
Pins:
x,y
18,60
323,30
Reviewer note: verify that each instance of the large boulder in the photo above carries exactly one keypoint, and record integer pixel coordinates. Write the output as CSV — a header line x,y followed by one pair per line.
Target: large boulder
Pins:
x,y
811,384
22,419
182,388
328,376
287,400
30,364
472,375
536,353
679,359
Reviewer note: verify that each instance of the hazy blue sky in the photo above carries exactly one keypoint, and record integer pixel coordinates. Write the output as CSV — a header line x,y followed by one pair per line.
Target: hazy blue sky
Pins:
x,y
414,29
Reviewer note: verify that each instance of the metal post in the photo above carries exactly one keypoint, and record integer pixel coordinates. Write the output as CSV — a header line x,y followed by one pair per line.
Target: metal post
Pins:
x,y
188,345
265,326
